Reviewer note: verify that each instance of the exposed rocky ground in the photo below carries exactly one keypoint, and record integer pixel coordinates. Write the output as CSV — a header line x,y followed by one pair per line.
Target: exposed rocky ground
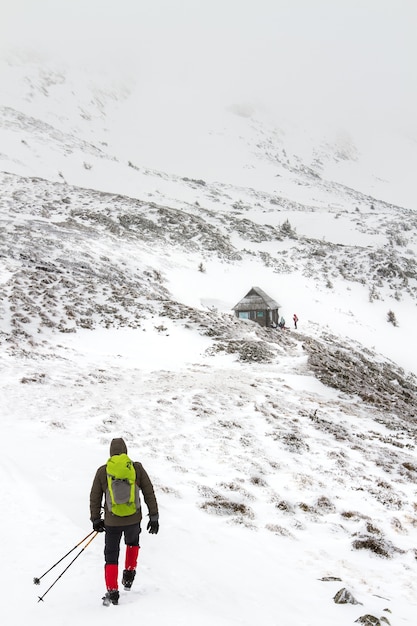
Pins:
x,y
77,259
48,228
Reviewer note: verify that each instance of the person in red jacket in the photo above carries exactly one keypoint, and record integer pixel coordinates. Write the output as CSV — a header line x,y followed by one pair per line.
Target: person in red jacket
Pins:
x,y
295,318
116,526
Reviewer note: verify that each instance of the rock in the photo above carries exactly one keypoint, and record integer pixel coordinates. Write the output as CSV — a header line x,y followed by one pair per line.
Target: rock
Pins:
x,y
371,620
344,596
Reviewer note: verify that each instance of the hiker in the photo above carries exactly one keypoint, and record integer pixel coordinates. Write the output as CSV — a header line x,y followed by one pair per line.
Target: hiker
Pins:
x,y
118,516
282,323
295,318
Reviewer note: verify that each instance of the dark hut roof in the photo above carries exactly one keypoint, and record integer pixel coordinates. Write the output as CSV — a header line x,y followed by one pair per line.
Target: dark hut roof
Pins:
x,y
255,300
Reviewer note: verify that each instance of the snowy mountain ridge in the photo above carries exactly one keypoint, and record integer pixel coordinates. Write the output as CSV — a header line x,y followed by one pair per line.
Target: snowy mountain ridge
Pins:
x,y
293,452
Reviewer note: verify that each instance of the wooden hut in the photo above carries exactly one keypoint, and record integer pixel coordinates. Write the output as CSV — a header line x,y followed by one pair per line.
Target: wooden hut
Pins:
x,y
259,307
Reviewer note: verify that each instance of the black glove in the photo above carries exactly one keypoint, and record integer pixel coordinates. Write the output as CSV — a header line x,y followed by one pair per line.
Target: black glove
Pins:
x,y
153,524
98,525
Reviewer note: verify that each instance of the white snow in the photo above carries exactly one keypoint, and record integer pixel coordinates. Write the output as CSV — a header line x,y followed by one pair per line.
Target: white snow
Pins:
x,y
203,424
147,386
200,567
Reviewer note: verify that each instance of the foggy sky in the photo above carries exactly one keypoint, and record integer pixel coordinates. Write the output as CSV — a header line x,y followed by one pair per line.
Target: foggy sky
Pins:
x,y
316,60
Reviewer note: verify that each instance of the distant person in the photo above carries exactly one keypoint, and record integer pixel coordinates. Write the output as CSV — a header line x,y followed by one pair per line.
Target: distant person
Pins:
x,y
295,318
273,325
119,481
282,323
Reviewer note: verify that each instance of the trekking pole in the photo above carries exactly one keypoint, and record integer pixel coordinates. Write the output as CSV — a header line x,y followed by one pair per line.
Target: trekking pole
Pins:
x,y
36,581
69,565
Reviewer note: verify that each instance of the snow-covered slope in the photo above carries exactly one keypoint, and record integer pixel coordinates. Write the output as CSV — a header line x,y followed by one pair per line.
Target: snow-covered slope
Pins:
x,y
284,462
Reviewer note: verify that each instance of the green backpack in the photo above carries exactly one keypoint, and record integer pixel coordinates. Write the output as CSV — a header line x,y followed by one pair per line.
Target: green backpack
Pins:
x,y
122,494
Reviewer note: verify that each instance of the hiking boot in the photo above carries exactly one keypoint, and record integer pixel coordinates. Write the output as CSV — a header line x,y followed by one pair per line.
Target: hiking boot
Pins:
x,y
111,597
128,578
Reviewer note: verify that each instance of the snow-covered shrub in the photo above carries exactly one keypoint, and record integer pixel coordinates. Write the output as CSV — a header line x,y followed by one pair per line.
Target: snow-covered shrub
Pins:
x,y
391,318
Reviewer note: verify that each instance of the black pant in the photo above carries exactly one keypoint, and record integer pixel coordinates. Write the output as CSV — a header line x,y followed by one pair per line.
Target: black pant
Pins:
x,y
112,539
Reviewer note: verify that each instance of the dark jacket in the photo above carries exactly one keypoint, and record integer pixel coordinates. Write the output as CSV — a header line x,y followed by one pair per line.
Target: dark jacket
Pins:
x,y
99,488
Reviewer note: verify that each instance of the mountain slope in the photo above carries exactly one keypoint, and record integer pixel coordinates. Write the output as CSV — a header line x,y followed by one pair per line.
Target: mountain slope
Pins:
x,y
284,462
